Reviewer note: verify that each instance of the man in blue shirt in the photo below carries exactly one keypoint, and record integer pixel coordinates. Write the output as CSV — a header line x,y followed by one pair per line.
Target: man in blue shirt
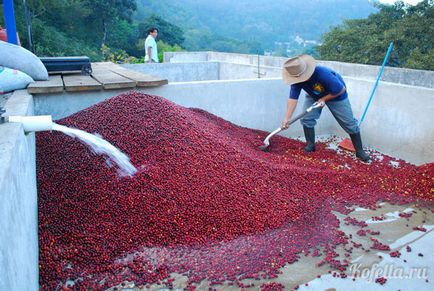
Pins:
x,y
325,86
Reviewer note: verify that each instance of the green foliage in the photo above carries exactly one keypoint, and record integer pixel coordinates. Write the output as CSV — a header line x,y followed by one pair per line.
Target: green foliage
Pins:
x,y
122,35
165,47
167,32
134,60
106,12
102,30
51,42
114,55
252,26
116,29
419,60
203,40
411,28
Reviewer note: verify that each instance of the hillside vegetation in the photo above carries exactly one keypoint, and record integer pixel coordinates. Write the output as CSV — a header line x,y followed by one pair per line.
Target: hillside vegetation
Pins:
x,y
343,30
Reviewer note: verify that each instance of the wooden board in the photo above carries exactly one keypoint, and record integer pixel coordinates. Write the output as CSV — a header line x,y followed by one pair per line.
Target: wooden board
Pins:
x,y
141,79
76,83
53,85
105,75
101,65
110,80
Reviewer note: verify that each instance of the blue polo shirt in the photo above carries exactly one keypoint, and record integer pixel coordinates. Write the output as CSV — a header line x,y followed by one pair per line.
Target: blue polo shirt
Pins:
x,y
324,81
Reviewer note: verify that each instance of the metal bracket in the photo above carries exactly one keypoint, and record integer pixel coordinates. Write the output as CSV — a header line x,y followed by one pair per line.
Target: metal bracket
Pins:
x,y
2,118
86,70
258,72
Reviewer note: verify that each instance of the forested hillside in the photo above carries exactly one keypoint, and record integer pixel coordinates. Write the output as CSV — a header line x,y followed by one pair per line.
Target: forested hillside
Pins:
x,y
115,30
366,40
254,25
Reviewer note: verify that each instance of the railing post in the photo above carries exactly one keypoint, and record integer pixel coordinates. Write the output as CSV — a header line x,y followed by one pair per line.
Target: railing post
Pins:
x,y
11,28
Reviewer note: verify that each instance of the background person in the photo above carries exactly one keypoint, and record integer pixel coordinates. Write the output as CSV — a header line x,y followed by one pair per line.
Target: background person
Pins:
x,y
151,50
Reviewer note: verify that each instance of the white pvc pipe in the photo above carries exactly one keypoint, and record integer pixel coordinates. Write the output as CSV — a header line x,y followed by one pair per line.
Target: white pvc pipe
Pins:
x,y
33,123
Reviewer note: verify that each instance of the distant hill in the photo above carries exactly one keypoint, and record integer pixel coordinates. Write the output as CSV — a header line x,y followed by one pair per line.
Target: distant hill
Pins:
x,y
270,25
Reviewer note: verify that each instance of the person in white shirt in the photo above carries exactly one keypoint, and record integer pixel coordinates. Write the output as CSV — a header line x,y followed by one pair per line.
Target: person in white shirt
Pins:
x,y
151,50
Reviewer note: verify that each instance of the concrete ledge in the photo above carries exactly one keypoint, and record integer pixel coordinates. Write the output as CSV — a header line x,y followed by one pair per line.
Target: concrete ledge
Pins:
x,y
172,57
18,207
179,72
398,121
420,78
230,71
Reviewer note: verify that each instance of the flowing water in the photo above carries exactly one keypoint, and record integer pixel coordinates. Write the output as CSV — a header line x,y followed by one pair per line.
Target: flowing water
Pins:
x,y
101,147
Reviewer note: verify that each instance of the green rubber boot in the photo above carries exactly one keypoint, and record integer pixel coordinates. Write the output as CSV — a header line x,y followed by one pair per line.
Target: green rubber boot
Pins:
x,y
357,143
309,134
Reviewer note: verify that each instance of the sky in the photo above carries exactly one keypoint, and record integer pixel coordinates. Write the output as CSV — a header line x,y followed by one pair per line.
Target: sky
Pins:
x,y
413,2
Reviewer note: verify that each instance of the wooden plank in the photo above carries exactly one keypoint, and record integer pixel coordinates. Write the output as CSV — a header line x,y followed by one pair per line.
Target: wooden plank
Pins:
x,y
53,85
110,80
141,79
102,65
77,83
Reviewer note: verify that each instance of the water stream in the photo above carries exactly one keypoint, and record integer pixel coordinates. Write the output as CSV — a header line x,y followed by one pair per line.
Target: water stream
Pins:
x,y
101,147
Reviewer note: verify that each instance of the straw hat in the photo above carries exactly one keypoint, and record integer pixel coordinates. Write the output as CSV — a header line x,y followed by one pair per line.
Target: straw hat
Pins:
x,y
298,69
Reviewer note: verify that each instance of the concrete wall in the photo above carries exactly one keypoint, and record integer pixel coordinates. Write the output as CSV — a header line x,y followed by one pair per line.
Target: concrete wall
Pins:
x,y
259,104
399,121
419,78
185,57
18,207
64,104
179,72
230,71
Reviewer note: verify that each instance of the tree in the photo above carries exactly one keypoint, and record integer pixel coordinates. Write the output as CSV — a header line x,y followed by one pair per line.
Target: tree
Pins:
x,y
105,12
411,28
167,32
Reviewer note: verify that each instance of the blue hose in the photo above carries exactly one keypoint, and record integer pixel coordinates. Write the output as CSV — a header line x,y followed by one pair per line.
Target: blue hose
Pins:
x,y
389,50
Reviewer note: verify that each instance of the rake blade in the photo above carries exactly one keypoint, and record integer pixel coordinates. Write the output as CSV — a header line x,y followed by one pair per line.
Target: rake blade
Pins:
x,y
264,148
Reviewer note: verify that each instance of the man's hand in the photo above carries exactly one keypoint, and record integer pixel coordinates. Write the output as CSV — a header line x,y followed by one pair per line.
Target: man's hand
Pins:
x,y
292,103
150,54
329,97
284,124
321,102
